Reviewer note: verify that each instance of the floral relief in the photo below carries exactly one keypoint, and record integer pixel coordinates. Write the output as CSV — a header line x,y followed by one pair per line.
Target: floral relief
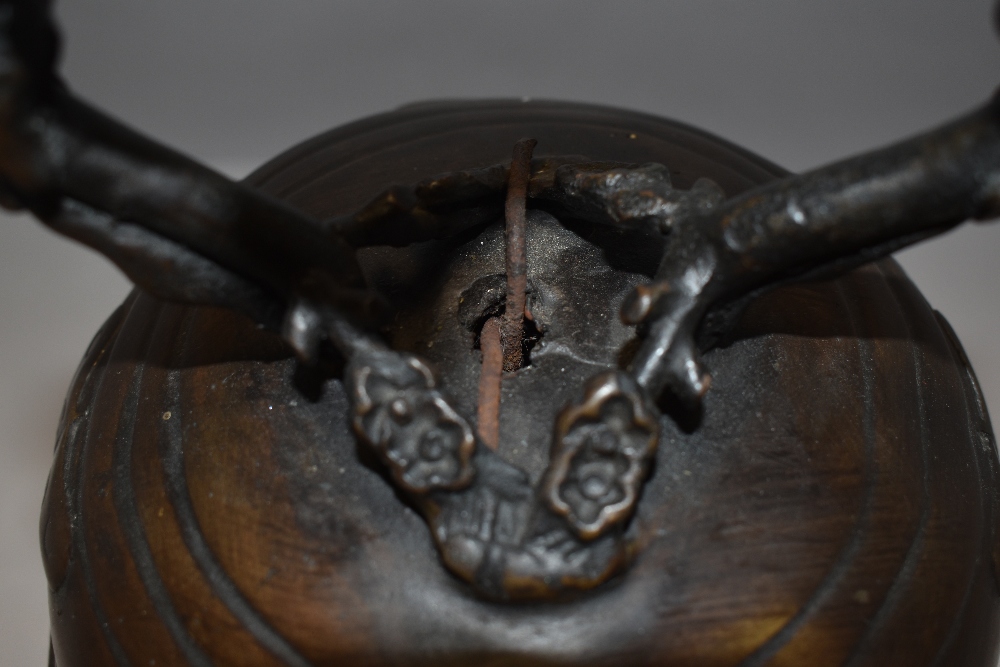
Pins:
x,y
422,440
601,455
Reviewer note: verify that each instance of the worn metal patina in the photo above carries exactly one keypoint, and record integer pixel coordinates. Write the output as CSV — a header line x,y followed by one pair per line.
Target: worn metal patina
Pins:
x,y
565,301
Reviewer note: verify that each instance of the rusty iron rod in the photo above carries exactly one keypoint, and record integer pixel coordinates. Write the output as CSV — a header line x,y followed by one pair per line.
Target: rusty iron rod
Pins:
x,y
489,383
501,338
512,327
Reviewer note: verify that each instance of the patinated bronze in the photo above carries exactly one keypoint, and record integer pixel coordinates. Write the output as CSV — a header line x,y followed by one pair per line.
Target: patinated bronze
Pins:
x,y
269,455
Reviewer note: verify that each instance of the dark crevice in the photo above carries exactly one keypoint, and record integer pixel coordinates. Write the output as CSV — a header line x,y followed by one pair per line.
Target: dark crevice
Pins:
x,y
532,334
487,298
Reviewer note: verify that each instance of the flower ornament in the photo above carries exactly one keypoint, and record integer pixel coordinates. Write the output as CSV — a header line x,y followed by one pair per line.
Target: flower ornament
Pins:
x,y
399,412
601,455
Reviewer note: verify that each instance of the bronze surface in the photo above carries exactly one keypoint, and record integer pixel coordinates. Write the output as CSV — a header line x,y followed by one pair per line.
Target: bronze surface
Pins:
x,y
834,505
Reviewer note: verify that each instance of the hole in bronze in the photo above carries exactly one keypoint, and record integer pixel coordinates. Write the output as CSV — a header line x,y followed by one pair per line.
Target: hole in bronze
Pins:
x,y
532,334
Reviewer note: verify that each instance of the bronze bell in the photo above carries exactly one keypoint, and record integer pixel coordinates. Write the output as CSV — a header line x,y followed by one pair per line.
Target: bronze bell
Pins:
x,y
209,503
510,383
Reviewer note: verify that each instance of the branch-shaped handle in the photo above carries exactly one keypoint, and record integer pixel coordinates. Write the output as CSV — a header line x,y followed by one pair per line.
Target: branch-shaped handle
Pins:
x,y
176,227
827,220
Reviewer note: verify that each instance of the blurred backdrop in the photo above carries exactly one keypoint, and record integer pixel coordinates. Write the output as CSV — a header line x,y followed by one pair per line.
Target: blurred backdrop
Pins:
x,y
233,82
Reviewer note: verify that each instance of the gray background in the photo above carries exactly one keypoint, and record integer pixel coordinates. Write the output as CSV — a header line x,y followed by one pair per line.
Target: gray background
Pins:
x,y
233,82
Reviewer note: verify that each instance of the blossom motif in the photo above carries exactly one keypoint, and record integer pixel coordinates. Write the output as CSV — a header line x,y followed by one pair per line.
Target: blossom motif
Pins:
x,y
601,455
493,536
423,441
